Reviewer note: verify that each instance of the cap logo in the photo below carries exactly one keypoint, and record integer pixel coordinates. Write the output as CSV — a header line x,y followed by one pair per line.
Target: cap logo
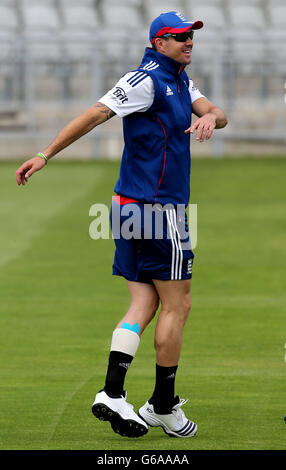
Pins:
x,y
182,17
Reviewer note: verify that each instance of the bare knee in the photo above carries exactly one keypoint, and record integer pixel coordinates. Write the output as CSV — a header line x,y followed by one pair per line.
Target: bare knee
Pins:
x,y
179,311
148,306
171,322
187,304
141,311
154,305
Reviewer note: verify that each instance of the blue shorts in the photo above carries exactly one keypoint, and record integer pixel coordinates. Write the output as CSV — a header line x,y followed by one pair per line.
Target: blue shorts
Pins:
x,y
152,242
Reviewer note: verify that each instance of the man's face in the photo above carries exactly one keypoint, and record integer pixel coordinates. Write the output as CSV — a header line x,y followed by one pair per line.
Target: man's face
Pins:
x,y
179,51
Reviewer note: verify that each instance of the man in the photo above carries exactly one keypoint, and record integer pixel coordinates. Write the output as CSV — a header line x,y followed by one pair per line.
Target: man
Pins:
x,y
156,102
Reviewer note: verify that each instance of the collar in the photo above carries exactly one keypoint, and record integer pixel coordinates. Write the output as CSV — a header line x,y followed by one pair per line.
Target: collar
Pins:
x,y
167,63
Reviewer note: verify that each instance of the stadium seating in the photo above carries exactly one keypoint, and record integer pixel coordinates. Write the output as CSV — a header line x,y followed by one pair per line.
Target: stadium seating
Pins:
x,y
155,8
121,15
121,22
248,54
41,26
40,17
43,52
9,20
78,50
84,3
7,50
79,16
277,13
245,15
211,13
79,45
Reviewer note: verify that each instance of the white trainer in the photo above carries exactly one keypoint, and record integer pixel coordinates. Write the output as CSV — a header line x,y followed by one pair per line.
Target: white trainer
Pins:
x,y
174,424
120,414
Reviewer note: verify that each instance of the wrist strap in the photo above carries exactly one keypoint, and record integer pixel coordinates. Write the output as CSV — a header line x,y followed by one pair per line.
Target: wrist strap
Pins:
x,y
42,155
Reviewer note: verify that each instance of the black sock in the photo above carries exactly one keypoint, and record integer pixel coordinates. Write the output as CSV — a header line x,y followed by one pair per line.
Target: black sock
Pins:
x,y
118,365
164,392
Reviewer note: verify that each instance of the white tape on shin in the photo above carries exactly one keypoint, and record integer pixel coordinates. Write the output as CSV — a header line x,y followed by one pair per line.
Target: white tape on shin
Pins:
x,y
125,341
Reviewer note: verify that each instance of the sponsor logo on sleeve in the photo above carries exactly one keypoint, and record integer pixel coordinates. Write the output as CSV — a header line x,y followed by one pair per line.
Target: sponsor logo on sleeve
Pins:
x,y
120,94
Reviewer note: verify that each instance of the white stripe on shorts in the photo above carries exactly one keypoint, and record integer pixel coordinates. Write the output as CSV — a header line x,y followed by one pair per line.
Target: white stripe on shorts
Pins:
x,y
177,254
170,230
180,254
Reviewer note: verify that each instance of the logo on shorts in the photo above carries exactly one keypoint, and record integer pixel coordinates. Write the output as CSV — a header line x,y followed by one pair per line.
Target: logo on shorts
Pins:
x,y
190,266
120,95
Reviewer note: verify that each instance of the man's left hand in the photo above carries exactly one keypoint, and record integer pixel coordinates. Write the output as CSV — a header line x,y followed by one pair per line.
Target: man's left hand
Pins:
x,y
204,126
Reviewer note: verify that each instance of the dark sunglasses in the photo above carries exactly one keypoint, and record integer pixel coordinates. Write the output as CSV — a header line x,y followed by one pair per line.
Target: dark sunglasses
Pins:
x,y
180,37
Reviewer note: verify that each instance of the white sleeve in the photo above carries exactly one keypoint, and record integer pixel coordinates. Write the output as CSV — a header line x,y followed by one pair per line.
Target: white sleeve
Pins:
x,y
133,93
194,92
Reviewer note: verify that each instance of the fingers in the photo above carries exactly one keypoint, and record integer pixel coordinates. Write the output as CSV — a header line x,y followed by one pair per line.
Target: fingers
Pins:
x,y
203,129
28,169
193,127
206,133
200,132
27,175
210,133
22,175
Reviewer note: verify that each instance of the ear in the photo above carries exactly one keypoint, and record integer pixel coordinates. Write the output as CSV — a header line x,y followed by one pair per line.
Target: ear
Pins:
x,y
159,44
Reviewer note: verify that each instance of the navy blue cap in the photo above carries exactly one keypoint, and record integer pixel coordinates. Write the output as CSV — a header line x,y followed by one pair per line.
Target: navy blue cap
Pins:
x,y
171,22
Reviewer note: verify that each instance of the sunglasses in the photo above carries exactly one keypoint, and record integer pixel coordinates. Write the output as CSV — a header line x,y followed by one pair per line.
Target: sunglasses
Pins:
x,y
180,37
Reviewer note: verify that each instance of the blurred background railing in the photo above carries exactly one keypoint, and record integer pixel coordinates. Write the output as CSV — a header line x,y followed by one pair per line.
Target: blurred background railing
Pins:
x,y
58,57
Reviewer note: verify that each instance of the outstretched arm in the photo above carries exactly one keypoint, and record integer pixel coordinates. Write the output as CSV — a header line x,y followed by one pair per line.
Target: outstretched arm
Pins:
x,y
78,127
210,117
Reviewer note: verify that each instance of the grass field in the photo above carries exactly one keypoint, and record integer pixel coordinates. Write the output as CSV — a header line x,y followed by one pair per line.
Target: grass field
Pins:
x,y
60,303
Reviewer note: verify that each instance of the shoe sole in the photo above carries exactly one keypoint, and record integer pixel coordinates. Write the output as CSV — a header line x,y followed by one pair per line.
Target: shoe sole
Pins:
x,y
124,427
170,434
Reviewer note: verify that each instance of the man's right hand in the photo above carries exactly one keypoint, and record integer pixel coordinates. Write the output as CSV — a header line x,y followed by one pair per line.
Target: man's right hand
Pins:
x,y
28,168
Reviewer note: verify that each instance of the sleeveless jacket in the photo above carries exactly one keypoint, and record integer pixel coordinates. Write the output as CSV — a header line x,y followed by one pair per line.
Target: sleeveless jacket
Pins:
x,y
156,160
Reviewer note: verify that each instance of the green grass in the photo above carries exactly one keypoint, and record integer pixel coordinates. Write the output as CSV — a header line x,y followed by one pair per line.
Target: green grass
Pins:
x,y
60,303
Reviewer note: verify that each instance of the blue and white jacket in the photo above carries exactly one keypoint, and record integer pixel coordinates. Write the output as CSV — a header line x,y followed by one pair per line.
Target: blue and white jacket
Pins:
x,y
156,160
